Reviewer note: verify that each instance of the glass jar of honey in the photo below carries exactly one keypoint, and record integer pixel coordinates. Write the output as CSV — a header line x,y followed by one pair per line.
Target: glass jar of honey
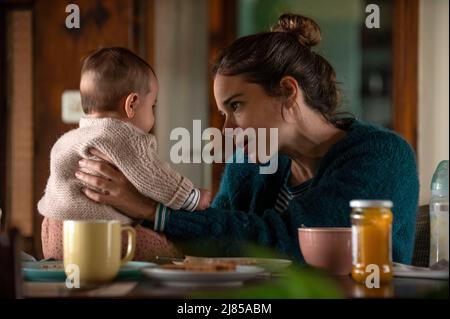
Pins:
x,y
371,239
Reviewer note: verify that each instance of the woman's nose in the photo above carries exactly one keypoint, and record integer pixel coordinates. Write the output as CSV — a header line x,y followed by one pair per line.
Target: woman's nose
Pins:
x,y
227,124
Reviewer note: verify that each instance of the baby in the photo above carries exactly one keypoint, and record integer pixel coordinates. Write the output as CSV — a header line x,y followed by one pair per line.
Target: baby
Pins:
x,y
118,94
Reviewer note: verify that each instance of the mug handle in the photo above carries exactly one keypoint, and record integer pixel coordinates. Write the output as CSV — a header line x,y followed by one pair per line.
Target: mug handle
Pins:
x,y
131,243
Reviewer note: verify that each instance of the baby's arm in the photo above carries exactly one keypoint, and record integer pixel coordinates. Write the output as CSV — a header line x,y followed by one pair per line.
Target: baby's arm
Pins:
x,y
137,159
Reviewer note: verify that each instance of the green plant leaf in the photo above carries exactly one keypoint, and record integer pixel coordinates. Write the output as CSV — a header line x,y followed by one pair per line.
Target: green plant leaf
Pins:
x,y
294,282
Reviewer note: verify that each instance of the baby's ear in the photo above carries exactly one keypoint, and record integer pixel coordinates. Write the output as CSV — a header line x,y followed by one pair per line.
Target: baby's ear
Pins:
x,y
130,104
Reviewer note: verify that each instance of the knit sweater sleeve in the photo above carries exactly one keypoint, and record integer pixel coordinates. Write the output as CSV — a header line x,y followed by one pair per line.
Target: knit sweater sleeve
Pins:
x,y
383,167
227,228
135,155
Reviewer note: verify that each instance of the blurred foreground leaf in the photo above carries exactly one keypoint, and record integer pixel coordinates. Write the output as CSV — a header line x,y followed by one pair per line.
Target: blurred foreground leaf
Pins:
x,y
294,282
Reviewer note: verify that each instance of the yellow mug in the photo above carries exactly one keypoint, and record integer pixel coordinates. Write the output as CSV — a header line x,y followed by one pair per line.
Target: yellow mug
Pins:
x,y
94,248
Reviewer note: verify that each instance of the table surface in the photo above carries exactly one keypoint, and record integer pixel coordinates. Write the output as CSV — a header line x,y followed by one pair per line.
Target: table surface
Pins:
x,y
146,288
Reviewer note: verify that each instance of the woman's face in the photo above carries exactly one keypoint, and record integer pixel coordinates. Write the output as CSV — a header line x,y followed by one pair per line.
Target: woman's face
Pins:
x,y
246,105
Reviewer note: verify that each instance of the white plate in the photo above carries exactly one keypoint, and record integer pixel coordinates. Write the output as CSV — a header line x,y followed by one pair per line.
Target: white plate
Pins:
x,y
269,264
402,270
175,277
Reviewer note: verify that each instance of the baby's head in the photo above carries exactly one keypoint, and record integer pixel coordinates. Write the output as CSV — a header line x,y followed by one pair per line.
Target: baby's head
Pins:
x,y
115,81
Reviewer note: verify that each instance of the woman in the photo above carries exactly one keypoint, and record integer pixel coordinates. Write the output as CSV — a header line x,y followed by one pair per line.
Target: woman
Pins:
x,y
275,80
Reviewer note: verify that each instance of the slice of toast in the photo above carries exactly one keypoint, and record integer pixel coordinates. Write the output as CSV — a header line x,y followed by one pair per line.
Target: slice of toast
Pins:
x,y
202,267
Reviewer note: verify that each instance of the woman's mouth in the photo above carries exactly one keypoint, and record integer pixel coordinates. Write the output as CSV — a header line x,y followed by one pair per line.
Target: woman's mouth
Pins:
x,y
245,148
242,143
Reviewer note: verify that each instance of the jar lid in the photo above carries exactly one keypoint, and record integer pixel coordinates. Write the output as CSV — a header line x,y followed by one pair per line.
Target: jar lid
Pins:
x,y
364,203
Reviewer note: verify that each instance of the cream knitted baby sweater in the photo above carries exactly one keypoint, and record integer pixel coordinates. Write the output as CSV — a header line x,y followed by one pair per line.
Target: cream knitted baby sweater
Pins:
x,y
131,150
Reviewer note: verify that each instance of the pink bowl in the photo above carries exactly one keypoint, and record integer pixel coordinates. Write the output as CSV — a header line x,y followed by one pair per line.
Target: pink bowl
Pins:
x,y
327,248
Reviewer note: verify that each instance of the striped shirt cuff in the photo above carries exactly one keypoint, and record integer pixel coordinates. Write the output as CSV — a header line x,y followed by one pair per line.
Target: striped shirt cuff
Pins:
x,y
161,216
192,201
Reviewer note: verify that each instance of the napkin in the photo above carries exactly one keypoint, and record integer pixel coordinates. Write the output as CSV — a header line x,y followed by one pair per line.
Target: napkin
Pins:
x,y
26,257
438,270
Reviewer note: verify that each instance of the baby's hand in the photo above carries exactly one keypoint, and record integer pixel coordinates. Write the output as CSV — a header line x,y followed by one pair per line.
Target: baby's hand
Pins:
x,y
205,199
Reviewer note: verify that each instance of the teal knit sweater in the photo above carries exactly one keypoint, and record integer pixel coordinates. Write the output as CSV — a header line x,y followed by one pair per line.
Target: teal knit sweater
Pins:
x,y
368,163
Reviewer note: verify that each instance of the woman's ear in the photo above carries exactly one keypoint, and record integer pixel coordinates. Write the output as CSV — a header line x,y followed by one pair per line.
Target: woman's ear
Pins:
x,y
291,93
130,104
290,90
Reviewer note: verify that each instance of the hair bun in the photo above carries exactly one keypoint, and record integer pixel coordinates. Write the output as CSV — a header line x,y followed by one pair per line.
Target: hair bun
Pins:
x,y
305,29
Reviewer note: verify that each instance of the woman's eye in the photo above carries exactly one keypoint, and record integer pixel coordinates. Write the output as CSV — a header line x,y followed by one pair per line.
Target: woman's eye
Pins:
x,y
235,105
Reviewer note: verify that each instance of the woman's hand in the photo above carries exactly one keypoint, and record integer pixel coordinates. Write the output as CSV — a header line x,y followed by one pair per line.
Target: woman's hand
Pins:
x,y
112,188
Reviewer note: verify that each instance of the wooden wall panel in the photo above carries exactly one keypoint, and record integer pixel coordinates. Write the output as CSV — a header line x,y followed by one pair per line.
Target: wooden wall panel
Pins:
x,y
222,32
405,68
20,122
3,114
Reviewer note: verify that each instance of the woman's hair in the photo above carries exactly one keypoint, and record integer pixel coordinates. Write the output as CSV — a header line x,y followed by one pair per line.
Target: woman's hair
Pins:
x,y
265,58
113,73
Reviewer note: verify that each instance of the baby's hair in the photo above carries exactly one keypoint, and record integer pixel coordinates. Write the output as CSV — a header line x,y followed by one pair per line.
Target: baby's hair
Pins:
x,y
110,74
